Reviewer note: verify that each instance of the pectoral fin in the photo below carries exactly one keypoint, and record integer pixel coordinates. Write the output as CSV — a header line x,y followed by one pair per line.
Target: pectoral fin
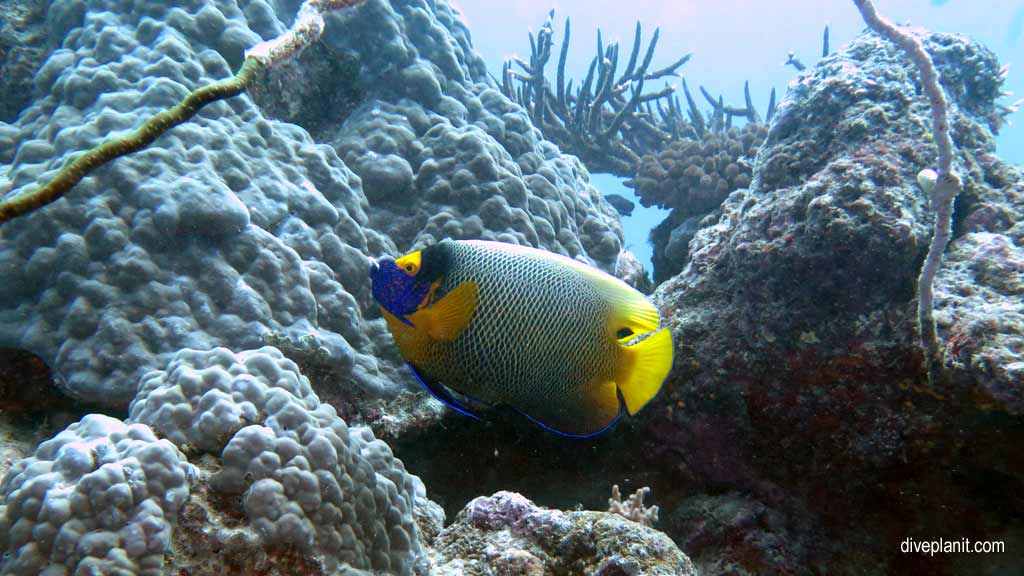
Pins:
x,y
448,317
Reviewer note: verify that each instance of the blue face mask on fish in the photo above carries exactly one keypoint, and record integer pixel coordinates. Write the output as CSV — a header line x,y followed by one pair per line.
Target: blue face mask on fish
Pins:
x,y
396,286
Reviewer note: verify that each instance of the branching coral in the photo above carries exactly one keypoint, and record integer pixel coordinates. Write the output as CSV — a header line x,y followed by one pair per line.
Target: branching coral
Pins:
x,y
306,30
944,191
609,121
633,507
792,60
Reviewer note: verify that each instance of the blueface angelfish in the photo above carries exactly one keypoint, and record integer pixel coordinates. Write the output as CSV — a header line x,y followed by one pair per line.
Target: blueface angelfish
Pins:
x,y
511,325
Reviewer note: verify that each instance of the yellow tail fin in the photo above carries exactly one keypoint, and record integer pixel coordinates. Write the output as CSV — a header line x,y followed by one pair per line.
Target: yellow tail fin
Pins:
x,y
644,367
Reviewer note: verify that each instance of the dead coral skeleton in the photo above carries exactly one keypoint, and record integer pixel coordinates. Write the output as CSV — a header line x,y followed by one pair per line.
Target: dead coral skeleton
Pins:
x,y
633,507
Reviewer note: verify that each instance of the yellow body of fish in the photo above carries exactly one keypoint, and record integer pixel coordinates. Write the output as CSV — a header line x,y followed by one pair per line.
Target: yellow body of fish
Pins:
x,y
545,334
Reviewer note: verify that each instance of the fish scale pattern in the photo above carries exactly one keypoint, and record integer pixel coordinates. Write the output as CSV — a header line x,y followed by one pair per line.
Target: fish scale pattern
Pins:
x,y
523,348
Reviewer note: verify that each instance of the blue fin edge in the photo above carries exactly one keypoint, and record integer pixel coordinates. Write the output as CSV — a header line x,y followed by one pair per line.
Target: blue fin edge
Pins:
x,y
579,436
442,396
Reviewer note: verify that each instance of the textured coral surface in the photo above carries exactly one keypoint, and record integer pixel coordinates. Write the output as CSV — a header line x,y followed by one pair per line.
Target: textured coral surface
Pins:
x,y
100,497
279,482
237,229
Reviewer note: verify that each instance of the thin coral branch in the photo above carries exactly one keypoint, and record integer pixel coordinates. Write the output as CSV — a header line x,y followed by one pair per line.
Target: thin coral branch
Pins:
x,y
948,186
633,508
306,30
81,166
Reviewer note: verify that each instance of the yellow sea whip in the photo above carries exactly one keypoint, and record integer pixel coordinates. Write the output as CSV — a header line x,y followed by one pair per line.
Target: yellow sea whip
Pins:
x,y
307,29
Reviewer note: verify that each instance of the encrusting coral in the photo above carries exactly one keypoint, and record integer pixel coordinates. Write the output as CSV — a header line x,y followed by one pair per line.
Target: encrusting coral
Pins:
x,y
508,534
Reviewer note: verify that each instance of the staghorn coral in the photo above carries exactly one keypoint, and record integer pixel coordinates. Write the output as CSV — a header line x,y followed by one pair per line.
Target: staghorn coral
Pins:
x,y
609,121
795,62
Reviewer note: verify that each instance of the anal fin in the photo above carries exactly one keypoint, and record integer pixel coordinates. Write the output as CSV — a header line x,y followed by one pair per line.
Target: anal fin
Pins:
x,y
441,395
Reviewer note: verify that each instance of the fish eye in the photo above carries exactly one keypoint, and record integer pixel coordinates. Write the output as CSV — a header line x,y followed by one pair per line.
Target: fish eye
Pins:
x,y
410,263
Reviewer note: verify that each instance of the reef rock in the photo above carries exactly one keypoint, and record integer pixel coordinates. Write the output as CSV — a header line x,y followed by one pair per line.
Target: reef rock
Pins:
x,y
798,364
239,229
22,50
506,534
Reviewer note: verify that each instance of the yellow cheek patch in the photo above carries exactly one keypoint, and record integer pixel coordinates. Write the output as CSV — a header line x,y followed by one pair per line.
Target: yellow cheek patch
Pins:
x,y
410,263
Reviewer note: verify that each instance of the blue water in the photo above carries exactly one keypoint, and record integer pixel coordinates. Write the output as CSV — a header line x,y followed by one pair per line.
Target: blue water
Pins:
x,y
638,225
